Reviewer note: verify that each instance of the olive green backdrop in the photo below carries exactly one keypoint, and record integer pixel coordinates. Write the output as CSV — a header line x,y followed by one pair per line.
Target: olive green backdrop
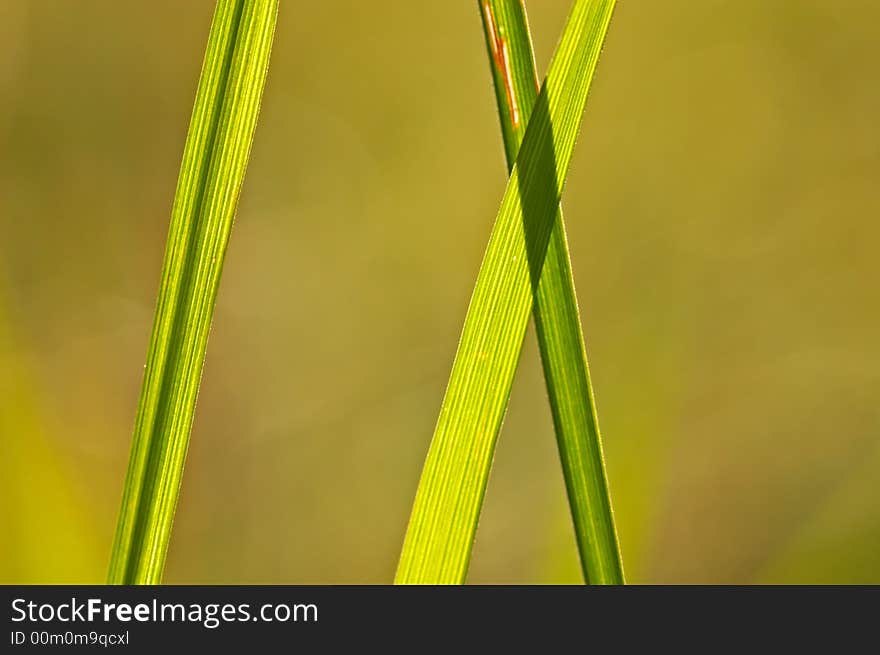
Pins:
x,y
722,211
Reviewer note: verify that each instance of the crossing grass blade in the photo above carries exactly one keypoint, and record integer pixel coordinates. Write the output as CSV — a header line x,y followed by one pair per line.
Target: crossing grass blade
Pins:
x,y
214,160
443,522
557,320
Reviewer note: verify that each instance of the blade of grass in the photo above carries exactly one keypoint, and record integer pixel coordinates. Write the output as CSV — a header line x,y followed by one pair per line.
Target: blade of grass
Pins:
x,y
214,160
557,320
440,534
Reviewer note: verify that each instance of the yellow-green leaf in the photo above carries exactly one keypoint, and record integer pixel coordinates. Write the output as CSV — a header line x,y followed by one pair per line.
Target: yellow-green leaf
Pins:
x,y
214,160
440,534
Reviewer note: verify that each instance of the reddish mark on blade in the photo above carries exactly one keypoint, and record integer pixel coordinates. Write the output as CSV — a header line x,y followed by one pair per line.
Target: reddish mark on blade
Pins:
x,y
502,62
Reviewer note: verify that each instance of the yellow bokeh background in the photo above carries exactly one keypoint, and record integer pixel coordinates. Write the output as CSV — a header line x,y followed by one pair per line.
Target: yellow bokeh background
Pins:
x,y
722,212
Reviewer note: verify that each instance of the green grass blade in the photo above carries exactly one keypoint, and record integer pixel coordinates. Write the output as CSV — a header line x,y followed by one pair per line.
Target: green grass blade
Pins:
x,y
557,320
440,534
214,160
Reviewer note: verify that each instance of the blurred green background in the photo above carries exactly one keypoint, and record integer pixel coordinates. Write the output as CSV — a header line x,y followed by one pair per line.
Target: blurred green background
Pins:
x,y
722,210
